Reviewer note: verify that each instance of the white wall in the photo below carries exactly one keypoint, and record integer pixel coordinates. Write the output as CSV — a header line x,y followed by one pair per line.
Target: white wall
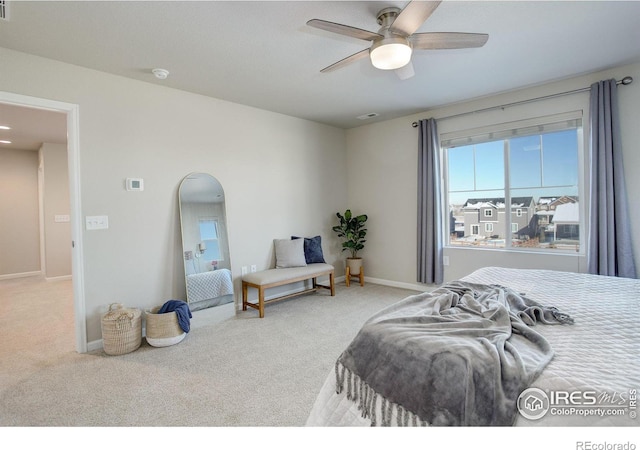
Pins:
x,y
281,176
19,213
55,196
28,235
382,171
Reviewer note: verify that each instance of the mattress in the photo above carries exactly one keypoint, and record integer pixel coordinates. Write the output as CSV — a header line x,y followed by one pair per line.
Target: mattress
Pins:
x,y
594,375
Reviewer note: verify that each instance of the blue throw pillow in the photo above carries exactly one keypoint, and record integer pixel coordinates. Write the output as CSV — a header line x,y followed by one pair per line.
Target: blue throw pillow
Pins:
x,y
312,249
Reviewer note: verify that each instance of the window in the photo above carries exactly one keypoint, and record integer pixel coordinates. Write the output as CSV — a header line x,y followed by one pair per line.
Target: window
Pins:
x,y
209,236
524,179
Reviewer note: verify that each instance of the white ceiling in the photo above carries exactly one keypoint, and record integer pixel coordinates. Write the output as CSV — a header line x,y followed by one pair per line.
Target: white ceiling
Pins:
x,y
262,53
31,127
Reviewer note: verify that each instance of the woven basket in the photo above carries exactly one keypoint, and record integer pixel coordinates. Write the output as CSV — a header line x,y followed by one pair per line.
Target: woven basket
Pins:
x,y
163,329
121,329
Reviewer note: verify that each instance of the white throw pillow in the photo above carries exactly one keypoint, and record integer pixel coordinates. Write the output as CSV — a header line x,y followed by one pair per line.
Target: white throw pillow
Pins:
x,y
289,253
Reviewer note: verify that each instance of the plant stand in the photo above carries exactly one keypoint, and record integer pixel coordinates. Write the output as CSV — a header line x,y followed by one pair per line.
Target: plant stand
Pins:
x,y
350,275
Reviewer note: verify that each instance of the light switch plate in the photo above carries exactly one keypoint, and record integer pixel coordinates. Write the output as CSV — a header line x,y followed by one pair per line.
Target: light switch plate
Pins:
x,y
97,222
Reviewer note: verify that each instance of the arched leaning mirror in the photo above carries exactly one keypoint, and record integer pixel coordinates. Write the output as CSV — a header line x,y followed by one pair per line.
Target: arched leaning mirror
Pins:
x,y
205,246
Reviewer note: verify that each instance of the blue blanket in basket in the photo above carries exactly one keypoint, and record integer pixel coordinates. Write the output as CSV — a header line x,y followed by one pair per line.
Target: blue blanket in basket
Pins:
x,y
182,311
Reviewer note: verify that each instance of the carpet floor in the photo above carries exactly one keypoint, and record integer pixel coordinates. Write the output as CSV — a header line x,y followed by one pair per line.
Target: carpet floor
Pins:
x,y
243,371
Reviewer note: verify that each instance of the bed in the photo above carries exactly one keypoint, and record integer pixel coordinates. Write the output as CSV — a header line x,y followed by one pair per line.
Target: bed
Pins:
x,y
208,289
590,378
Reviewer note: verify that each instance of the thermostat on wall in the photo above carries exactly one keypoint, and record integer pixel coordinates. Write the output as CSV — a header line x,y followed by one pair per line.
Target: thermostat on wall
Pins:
x,y
135,184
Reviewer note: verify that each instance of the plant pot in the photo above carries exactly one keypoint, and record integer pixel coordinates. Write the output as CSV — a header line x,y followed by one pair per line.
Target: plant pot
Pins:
x,y
354,265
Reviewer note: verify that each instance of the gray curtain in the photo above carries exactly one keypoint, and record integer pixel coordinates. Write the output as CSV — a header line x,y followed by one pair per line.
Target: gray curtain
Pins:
x,y
610,251
430,268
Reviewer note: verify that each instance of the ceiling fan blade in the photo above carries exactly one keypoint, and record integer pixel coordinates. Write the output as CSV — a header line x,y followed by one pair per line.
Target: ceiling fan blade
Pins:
x,y
405,72
413,16
349,59
435,41
345,30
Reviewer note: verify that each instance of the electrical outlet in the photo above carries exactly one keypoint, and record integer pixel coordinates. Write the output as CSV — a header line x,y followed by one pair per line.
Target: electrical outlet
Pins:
x,y
253,268
244,270
445,260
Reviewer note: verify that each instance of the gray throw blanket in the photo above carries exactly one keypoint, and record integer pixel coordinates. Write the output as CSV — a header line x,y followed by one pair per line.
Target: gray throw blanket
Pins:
x,y
460,355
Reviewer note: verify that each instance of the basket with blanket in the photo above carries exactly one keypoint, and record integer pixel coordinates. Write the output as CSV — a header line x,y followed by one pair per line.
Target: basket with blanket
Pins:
x,y
168,324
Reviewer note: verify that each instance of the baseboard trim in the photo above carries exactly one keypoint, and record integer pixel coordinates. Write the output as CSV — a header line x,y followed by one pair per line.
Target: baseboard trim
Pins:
x,y
398,284
95,345
20,275
60,278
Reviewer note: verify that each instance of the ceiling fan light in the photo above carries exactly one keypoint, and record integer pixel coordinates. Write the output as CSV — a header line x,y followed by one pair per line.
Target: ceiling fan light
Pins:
x,y
390,55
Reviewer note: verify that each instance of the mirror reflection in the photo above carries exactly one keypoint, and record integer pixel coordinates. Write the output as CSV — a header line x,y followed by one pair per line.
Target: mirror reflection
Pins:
x,y
205,246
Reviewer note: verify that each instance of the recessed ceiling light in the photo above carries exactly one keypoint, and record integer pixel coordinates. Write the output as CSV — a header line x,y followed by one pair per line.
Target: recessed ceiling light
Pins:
x,y
5,142
4,127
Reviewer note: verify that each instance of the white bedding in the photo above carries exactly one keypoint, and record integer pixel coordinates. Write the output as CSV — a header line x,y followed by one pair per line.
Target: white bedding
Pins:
x,y
208,285
597,356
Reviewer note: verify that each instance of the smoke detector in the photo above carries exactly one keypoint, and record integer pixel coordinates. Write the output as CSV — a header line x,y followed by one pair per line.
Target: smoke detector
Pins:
x,y
160,74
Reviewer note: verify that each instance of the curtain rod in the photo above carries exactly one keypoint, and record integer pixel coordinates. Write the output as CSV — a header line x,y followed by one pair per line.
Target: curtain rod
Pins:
x,y
624,81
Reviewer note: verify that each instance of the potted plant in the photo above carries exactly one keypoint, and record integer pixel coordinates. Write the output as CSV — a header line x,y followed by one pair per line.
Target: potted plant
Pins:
x,y
353,232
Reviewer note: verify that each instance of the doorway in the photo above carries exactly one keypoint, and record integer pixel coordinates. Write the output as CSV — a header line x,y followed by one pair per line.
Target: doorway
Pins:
x,y
71,111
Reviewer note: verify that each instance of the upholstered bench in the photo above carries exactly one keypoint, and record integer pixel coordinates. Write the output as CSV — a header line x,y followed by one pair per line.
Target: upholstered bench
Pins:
x,y
278,277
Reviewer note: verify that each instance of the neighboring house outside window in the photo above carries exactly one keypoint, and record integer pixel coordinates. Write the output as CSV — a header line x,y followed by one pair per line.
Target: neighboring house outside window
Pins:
x,y
566,222
520,222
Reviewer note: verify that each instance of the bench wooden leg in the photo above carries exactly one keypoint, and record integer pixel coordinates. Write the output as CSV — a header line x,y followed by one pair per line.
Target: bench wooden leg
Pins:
x,y
332,284
244,296
261,301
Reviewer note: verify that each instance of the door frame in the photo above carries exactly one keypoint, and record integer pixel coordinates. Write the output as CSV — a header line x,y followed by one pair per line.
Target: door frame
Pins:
x,y
73,158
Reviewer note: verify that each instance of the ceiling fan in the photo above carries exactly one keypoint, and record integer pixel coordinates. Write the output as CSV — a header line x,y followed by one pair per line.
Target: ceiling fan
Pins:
x,y
393,44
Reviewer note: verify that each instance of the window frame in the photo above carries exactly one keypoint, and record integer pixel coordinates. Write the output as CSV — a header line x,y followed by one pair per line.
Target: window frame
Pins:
x,y
501,132
218,239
